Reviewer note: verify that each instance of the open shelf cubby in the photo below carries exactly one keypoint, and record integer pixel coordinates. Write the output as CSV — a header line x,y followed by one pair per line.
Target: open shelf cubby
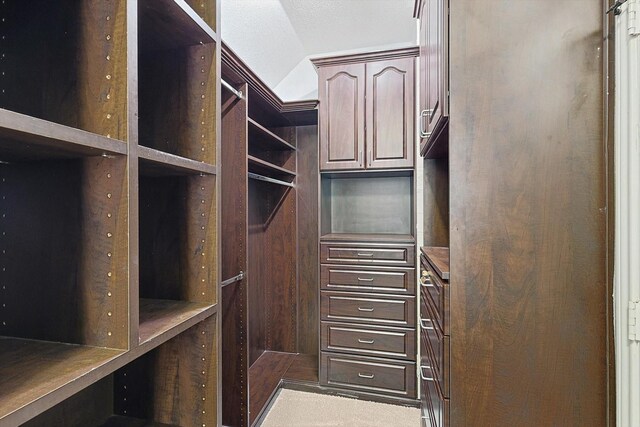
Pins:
x,y
63,270
178,272
177,80
270,151
367,204
66,62
173,385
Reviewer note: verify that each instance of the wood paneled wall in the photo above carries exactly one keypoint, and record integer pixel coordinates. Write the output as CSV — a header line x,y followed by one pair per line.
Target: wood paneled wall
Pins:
x,y
529,283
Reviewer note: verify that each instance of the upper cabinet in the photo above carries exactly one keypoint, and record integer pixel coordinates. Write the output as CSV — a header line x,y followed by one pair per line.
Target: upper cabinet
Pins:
x,y
342,127
367,111
434,77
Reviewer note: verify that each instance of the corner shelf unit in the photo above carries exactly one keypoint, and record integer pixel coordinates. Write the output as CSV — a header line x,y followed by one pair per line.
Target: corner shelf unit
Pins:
x,y
87,297
259,309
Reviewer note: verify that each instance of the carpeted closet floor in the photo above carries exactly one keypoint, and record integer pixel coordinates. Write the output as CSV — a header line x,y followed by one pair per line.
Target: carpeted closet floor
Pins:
x,y
300,409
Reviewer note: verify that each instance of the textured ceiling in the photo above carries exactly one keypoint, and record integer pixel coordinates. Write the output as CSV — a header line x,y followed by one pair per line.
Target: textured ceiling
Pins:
x,y
276,37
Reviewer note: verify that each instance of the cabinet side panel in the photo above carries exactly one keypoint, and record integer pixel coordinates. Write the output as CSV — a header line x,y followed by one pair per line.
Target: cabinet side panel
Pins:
x,y
528,213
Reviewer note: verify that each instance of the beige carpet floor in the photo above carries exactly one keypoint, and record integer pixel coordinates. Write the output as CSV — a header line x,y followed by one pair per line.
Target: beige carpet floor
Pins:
x,y
299,409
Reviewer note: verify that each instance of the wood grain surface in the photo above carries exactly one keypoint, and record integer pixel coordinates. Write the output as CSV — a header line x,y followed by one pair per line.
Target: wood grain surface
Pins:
x,y
528,214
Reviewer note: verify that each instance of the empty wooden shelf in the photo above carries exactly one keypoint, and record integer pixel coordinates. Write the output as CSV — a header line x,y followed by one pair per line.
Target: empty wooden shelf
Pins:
x,y
169,24
31,370
158,163
161,316
265,168
263,137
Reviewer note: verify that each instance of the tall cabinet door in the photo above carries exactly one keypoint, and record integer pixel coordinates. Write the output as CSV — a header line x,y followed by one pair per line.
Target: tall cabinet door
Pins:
x,y
437,64
390,111
424,70
342,117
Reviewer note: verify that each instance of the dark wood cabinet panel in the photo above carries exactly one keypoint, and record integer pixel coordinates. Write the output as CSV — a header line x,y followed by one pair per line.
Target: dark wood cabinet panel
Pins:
x,y
368,308
367,253
396,343
530,285
368,279
367,110
374,375
390,114
434,77
341,92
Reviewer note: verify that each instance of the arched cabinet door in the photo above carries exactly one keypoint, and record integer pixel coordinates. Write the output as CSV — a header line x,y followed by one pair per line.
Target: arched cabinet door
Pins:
x,y
390,114
342,117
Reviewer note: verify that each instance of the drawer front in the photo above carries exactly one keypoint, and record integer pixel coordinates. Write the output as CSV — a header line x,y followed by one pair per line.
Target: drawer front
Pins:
x,y
365,279
394,343
438,349
369,374
438,291
370,309
438,404
367,253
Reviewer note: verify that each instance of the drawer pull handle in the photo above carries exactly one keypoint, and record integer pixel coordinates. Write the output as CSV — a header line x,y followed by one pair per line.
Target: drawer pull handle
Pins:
x,y
423,376
361,341
426,324
368,254
363,279
365,309
366,376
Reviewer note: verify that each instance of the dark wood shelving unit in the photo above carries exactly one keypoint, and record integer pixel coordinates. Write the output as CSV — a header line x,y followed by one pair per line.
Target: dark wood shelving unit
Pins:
x,y
80,305
260,338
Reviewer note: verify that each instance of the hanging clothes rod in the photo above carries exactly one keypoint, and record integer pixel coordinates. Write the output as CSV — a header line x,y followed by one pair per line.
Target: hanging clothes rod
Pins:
x,y
271,180
233,90
233,279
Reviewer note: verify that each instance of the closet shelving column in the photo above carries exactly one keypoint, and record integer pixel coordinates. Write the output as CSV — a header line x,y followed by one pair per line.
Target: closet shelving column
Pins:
x,y
177,173
75,343
63,261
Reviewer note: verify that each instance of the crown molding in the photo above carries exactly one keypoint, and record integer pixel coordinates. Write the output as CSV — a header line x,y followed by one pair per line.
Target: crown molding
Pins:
x,y
238,72
356,58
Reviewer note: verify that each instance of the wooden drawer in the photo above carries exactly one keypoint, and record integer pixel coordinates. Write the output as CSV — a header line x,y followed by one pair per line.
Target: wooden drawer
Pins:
x,y
368,253
368,308
433,287
368,279
438,405
369,374
397,343
438,349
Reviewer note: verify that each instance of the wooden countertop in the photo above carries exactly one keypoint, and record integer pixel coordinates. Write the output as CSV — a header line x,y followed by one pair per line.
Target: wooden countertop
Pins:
x,y
438,257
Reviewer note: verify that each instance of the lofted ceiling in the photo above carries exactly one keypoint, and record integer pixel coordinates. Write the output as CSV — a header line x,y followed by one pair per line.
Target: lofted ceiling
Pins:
x,y
276,38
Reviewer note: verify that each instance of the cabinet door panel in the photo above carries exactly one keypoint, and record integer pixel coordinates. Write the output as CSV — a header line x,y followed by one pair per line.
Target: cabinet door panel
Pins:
x,y
390,111
434,49
342,121
424,68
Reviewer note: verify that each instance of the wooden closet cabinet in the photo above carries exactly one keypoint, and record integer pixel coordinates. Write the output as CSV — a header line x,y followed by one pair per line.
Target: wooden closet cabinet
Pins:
x,y
433,76
367,111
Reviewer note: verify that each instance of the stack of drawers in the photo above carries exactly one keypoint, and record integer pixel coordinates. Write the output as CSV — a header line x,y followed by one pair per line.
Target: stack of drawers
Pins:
x,y
368,317
434,329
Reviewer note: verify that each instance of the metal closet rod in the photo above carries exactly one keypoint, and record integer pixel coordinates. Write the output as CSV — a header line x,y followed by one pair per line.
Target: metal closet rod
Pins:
x,y
271,180
233,90
233,279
